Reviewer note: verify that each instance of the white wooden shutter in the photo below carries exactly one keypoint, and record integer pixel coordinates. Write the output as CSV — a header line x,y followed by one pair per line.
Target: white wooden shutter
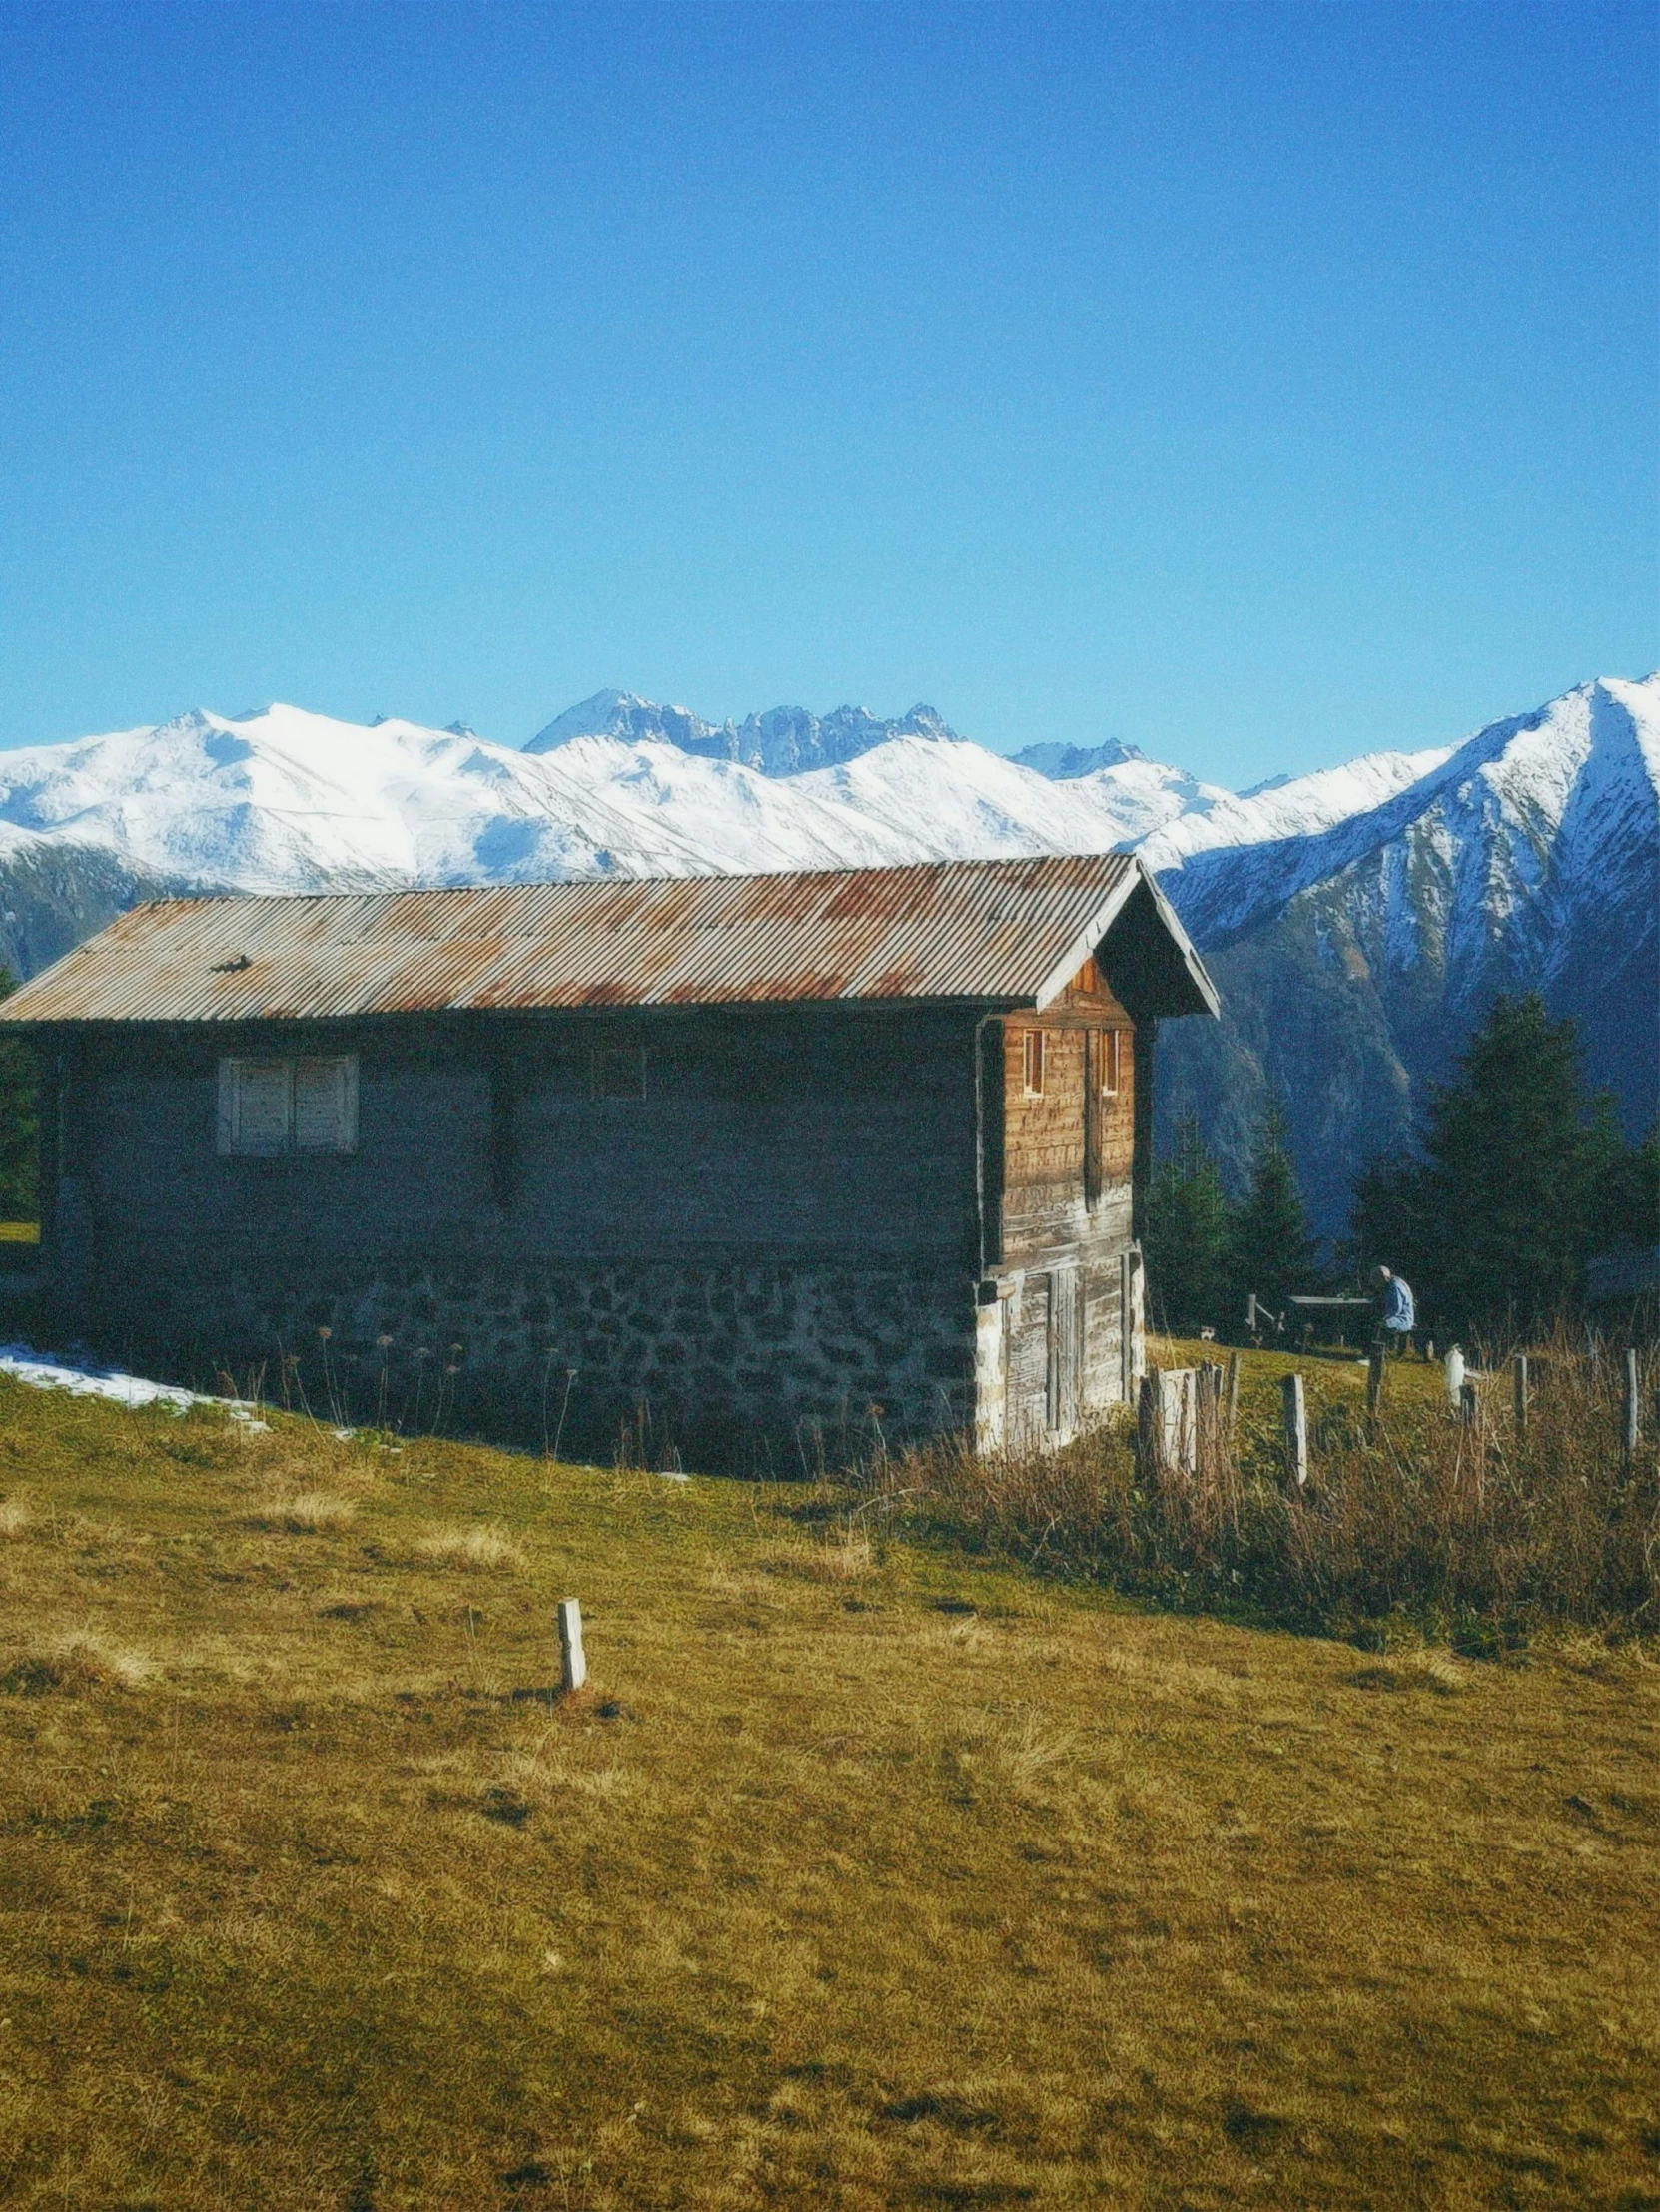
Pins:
x,y
260,1105
325,1105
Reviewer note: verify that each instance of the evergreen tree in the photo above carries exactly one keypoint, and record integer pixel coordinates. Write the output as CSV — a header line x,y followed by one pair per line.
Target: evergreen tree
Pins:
x,y
1522,1177
19,1121
1270,1250
1625,1185
1187,1234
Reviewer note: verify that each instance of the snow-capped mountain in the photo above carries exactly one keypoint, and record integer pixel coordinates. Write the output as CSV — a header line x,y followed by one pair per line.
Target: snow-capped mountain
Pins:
x,y
284,800
1357,919
1359,922
783,741
786,741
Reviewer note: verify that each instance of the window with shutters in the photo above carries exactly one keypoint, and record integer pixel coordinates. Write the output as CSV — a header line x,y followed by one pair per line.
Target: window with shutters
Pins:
x,y
272,1108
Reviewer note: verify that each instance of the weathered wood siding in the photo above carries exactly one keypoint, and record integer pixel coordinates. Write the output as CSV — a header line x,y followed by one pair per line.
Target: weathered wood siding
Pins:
x,y
785,1226
766,1135
1065,1191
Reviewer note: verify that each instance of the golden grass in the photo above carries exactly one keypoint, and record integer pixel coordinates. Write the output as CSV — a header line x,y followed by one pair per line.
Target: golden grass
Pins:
x,y
923,1884
484,1547
310,1512
19,1232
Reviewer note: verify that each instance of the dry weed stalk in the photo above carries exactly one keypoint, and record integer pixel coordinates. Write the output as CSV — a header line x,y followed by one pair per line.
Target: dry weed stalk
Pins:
x,y
1482,1528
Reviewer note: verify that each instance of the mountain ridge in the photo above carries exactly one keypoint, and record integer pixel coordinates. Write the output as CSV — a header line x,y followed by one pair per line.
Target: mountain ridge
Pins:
x,y
1357,919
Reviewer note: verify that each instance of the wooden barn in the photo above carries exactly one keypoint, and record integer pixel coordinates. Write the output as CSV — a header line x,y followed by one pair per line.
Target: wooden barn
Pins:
x,y
778,1157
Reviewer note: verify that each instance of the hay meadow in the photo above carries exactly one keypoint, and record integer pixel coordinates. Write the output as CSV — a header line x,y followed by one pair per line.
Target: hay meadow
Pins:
x,y
881,1864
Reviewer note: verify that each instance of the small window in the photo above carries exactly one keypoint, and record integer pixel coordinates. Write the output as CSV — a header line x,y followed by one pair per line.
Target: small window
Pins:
x,y
1034,1063
619,1071
269,1108
1110,1063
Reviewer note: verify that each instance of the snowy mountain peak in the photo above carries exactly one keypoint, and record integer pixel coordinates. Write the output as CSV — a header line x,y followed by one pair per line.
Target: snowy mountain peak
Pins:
x,y
782,741
1065,763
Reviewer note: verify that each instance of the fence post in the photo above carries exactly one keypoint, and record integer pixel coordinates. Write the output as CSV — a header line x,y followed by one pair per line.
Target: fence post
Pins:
x,y
1453,1369
1374,1379
1518,1381
573,1665
1167,1424
1631,1426
1207,1419
1232,1393
1470,1405
1146,1424
1294,1415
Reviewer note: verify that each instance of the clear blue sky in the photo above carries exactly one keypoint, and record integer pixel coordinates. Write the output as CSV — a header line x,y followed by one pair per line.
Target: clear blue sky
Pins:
x,y
1257,383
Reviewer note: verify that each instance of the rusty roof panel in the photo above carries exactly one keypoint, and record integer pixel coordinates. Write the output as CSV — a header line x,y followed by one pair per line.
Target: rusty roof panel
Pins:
x,y
963,931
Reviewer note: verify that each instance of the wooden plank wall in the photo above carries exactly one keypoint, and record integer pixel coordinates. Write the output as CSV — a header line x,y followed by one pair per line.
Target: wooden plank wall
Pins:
x,y
783,1228
1063,1230
772,1132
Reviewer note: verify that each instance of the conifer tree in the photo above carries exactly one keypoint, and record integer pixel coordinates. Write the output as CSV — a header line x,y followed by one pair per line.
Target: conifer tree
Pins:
x,y
1270,1250
1187,1234
1522,1177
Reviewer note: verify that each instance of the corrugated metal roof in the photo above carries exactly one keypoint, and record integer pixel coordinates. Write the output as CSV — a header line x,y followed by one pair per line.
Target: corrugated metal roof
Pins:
x,y
994,931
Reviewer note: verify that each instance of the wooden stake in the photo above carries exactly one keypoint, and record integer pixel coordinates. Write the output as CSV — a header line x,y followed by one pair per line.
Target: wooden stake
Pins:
x,y
1631,1425
1518,1381
1230,1393
1169,1425
1375,1380
573,1665
1294,1415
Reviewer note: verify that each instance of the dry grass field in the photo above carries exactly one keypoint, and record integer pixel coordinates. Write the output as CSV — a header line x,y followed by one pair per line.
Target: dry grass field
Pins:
x,y
863,1874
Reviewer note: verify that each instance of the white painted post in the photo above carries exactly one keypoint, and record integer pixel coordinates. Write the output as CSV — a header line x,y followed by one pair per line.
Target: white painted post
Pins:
x,y
573,1665
1456,1379
1167,1426
1631,1426
1295,1414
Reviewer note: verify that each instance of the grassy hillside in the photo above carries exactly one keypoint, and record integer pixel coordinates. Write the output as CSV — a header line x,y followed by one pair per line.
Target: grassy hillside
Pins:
x,y
860,1877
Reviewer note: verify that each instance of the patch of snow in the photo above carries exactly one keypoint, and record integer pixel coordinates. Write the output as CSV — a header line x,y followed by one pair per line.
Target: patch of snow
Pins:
x,y
88,1379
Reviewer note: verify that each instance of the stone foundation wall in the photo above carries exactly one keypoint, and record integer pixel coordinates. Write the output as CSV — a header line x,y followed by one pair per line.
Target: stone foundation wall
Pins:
x,y
737,1367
